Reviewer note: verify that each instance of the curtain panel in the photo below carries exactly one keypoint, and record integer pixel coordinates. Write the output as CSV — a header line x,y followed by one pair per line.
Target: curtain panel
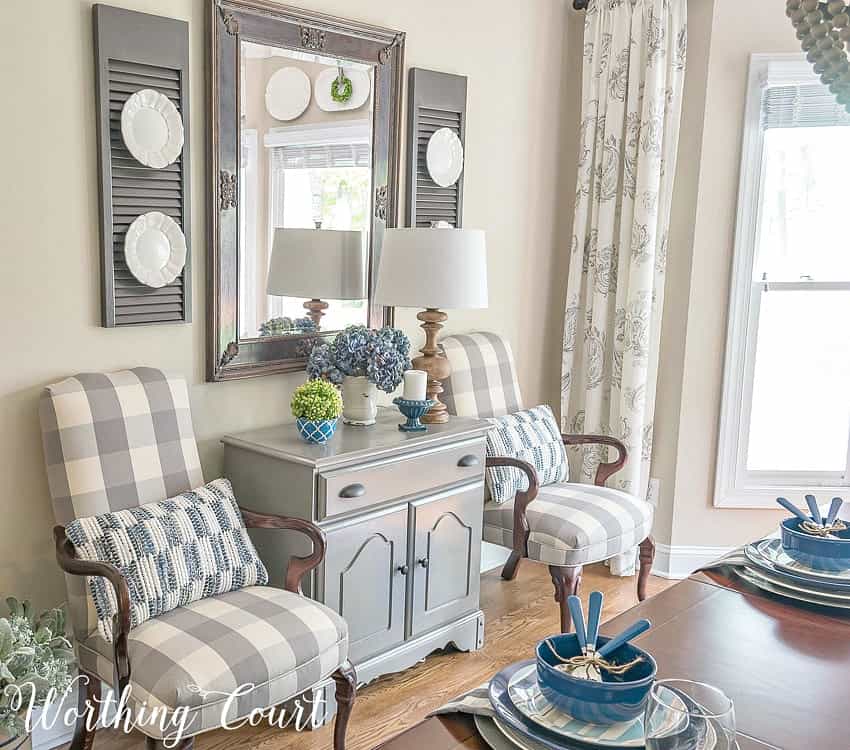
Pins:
x,y
632,82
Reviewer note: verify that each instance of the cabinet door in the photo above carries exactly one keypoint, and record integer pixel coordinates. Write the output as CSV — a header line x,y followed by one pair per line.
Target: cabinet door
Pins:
x,y
447,555
365,577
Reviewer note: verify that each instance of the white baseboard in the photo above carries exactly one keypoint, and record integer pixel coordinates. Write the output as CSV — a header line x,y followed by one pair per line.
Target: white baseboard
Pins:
x,y
679,561
493,556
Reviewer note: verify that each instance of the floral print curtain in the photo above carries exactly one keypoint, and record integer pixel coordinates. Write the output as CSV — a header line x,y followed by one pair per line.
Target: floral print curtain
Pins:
x,y
633,73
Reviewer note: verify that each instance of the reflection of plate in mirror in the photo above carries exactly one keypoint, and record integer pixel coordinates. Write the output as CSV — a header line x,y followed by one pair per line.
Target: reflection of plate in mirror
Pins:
x,y
288,93
155,249
361,85
152,129
444,157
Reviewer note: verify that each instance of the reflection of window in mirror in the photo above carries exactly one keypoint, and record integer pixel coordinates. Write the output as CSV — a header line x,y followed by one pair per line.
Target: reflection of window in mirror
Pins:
x,y
786,410
311,170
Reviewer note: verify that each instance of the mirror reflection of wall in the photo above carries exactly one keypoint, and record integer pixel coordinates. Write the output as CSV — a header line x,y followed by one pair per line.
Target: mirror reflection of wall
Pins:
x,y
306,135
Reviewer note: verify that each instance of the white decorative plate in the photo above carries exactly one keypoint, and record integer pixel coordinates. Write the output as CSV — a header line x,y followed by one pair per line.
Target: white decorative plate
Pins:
x,y
152,129
361,85
287,93
444,157
155,249
501,737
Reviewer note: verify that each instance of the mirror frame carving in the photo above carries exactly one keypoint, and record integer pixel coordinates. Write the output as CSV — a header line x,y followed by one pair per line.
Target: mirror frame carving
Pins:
x,y
265,22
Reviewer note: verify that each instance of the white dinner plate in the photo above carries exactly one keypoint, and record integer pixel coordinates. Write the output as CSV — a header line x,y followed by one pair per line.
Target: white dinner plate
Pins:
x,y
152,128
748,574
444,157
288,93
155,249
497,737
361,85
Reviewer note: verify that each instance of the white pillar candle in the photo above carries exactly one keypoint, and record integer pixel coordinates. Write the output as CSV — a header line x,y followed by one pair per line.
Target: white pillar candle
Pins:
x,y
414,385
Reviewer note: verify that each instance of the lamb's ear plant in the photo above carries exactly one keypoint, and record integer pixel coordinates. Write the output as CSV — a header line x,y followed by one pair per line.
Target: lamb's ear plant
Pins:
x,y
36,659
316,400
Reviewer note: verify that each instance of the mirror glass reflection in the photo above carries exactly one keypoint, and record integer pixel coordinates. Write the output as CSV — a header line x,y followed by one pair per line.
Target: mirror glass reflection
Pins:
x,y
305,192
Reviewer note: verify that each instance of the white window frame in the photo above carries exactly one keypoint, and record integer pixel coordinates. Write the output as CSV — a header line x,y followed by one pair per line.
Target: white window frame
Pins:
x,y
735,486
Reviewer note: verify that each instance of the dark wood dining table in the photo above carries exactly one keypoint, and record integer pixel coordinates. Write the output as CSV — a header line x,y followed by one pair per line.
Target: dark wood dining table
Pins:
x,y
785,665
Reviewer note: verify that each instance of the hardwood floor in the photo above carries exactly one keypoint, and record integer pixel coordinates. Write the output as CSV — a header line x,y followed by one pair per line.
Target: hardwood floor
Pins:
x,y
518,614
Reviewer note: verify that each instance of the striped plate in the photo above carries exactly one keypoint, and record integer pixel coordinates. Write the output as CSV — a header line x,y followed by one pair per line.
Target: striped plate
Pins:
x,y
771,550
525,695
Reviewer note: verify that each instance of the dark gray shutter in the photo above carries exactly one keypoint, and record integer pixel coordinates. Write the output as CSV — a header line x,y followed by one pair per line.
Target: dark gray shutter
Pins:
x,y
435,100
801,106
137,51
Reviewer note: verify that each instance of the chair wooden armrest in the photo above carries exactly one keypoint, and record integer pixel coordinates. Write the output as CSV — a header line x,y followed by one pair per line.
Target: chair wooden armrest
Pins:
x,y
121,623
604,470
298,566
521,500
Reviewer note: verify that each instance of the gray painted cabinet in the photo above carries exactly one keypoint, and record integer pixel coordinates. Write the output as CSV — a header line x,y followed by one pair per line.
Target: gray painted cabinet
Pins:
x,y
402,513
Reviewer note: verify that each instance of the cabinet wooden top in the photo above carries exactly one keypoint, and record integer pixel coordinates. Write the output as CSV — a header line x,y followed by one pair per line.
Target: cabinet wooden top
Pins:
x,y
351,444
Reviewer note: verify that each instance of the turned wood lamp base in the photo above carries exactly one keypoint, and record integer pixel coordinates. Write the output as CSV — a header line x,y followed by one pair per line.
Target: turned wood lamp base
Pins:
x,y
316,310
433,363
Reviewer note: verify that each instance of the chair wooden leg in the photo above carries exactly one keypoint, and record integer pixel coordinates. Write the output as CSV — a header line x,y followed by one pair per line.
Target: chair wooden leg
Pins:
x,y
647,555
566,582
346,688
88,701
511,566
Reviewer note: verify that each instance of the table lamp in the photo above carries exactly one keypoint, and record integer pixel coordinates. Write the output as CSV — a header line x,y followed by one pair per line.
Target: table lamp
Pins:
x,y
433,269
317,264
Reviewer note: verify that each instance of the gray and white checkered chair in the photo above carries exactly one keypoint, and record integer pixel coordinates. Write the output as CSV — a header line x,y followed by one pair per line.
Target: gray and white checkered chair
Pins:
x,y
565,525
124,439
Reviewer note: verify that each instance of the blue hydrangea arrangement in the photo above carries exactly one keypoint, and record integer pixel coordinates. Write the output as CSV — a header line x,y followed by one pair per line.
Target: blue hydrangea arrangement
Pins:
x,y
382,356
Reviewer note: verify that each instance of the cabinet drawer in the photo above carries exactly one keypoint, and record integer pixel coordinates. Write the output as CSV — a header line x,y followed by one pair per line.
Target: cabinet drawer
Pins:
x,y
351,489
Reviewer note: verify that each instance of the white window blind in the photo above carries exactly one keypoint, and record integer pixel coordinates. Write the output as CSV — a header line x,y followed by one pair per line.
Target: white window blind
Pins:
x,y
321,156
801,106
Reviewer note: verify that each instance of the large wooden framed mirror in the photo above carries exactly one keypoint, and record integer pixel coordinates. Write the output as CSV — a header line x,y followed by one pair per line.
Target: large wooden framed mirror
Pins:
x,y
304,131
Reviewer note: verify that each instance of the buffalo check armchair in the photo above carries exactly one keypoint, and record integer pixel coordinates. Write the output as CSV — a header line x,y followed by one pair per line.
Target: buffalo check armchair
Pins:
x,y
124,439
565,525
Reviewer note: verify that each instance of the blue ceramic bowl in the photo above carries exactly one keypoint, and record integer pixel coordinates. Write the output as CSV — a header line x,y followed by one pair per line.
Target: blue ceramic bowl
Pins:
x,y
617,698
816,552
319,431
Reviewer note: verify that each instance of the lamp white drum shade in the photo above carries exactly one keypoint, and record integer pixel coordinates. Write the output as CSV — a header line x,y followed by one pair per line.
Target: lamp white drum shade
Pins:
x,y
439,268
317,264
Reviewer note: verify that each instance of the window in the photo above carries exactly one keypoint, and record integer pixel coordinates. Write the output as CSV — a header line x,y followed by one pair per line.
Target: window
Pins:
x,y
785,421
320,175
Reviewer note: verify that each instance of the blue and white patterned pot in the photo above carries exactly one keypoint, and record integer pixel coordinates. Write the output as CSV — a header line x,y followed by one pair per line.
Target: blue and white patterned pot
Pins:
x,y
318,431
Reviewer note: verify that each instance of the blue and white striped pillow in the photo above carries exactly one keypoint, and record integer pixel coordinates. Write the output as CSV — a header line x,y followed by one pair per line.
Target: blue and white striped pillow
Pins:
x,y
173,552
533,436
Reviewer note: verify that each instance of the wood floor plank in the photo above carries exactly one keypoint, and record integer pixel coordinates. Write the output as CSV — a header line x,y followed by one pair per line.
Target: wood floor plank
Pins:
x,y
518,614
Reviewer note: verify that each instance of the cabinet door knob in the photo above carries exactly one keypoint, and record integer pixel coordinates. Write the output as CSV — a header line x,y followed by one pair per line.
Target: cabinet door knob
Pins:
x,y
469,460
352,490
403,569
423,562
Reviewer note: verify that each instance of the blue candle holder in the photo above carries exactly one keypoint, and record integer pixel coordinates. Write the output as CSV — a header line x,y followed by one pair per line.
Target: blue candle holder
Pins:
x,y
413,410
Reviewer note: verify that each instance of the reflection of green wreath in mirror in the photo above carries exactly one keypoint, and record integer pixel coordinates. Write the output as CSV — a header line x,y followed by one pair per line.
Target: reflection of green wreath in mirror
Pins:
x,y
341,89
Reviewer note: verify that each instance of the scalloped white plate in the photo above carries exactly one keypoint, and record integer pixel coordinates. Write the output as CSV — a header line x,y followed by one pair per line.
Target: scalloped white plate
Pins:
x,y
288,93
152,128
444,157
361,85
155,249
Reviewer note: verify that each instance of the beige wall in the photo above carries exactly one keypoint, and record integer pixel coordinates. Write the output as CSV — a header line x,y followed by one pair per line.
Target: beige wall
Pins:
x,y
694,331
514,55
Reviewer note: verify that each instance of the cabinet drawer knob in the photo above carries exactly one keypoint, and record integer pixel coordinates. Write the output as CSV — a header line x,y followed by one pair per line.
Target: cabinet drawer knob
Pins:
x,y
469,460
403,569
423,562
352,490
